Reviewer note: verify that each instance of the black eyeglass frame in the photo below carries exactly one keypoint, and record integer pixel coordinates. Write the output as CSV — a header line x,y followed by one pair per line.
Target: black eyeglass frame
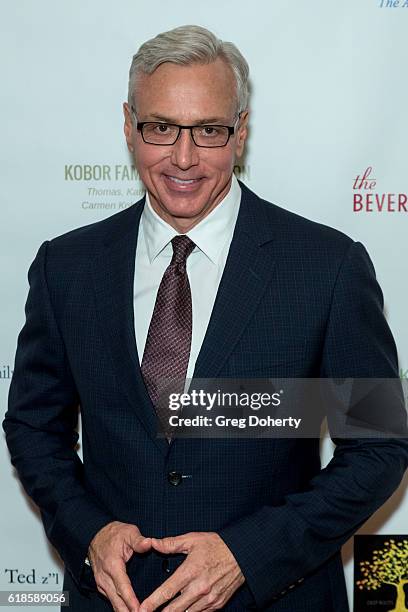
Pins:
x,y
141,124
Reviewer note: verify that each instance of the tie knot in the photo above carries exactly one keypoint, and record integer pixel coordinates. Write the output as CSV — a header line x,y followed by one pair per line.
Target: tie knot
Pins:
x,y
182,247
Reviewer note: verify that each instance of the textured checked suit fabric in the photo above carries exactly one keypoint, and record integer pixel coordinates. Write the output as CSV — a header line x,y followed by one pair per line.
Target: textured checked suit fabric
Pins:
x,y
168,343
296,299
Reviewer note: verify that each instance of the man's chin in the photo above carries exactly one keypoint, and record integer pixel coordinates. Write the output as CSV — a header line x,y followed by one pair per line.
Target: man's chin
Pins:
x,y
182,206
188,210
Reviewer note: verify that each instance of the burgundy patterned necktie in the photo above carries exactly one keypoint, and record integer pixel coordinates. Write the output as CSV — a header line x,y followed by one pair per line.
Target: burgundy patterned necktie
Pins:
x,y
168,342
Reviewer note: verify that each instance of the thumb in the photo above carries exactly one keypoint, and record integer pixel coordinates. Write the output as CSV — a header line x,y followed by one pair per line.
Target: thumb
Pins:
x,y
140,543
176,544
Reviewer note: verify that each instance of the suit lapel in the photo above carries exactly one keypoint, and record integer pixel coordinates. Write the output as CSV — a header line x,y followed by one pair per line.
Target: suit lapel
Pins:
x,y
113,274
247,273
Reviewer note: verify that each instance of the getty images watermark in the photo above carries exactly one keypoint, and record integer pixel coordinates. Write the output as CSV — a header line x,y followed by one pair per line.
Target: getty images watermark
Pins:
x,y
295,407
210,401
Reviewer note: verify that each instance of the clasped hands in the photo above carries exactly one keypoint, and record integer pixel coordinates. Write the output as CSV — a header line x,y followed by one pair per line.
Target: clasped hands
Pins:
x,y
205,580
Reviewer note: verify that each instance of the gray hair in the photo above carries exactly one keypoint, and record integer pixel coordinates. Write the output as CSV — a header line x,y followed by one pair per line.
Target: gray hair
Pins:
x,y
186,45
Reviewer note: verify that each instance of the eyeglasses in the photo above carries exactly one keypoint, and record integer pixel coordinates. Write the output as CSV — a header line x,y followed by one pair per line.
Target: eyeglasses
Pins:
x,y
166,134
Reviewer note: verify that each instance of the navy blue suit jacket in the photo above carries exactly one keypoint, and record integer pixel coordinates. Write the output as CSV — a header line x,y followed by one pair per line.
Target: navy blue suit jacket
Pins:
x,y
297,299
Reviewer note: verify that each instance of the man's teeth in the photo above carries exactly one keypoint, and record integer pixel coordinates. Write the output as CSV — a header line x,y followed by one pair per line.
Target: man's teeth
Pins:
x,y
182,181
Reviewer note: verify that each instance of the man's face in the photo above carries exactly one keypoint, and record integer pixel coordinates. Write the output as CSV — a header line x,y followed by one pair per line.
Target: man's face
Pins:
x,y
186,95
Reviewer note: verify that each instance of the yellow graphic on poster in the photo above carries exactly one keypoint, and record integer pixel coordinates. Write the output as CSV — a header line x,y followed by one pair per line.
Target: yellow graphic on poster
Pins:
x,y
389,565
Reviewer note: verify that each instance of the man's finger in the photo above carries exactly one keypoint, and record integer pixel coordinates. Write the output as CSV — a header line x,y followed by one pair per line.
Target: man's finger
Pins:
x,y
200,596
118,604
109,591
166,591
206,602
123,589
176,544
140,543
188,598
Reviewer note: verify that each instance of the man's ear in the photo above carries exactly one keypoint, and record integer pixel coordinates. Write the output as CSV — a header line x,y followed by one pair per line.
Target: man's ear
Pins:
x,y
128,127
242,132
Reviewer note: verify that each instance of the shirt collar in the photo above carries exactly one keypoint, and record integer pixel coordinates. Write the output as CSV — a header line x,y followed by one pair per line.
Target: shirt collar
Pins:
x,y
210,234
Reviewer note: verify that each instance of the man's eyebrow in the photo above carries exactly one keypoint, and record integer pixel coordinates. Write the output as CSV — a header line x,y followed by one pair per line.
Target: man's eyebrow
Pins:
x,y
205,121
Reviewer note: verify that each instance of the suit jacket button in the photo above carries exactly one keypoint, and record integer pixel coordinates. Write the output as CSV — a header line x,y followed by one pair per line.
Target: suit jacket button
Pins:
x,y
165,566
174,478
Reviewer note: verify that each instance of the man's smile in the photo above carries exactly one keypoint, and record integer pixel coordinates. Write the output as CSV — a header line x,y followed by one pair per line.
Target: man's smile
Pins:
x,y
178,184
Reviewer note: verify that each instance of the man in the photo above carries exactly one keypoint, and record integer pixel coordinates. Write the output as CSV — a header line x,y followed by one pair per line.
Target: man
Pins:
x,y
200,278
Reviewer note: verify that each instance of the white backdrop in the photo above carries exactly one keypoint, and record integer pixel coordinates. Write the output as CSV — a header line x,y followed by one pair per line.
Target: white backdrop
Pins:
x,y
329,101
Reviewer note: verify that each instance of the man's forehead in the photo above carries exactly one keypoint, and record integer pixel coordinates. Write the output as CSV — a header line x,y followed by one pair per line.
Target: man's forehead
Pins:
x,y
197,92
193,118
215,78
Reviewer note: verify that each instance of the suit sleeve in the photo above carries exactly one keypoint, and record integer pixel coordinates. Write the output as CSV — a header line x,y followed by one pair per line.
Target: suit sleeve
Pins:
x,y
276,547
40,426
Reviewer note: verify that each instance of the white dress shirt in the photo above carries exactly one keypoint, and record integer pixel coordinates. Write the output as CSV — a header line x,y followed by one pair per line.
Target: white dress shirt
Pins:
x,y
205,265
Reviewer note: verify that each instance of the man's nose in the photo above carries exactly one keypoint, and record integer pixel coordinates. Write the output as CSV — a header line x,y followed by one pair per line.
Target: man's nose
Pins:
x,y
184,152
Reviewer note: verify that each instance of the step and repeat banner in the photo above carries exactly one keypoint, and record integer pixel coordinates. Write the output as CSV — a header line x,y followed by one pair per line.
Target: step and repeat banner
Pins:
x,y
328,138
